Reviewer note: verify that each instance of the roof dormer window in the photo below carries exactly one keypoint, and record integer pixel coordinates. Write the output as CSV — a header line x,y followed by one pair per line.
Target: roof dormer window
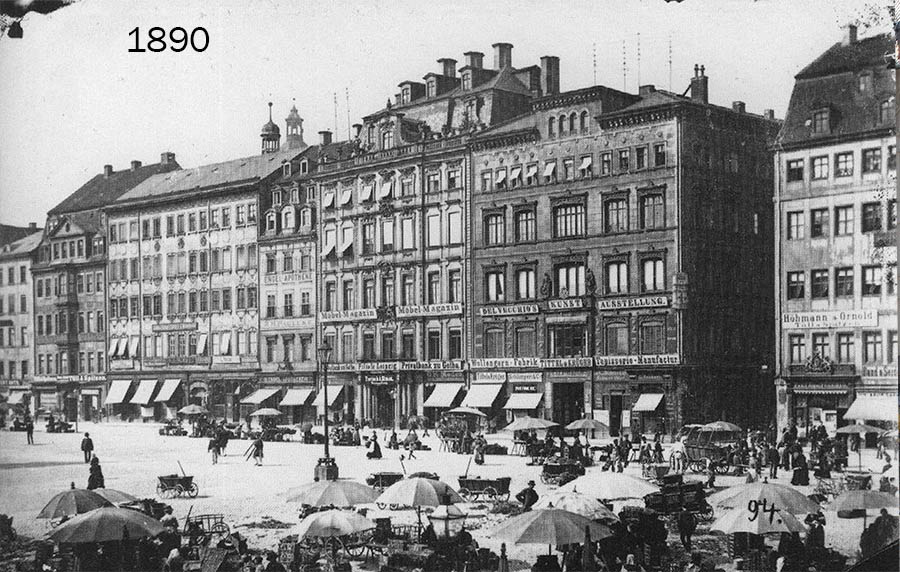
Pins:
x,y
304,167
286,170
405,95
821,121
276,197
387,139
886,112
431,88
467,81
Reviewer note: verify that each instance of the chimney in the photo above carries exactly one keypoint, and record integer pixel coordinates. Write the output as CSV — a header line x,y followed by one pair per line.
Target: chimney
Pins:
x,y
474,60
166,158
769,114
646,90
135,165
849,35
502,55
549,75
325,137
739,107
107,171
357,127
32,226
700,85
449,66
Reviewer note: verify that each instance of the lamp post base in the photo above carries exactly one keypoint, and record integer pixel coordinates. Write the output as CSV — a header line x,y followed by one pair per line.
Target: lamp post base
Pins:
x,y
326,469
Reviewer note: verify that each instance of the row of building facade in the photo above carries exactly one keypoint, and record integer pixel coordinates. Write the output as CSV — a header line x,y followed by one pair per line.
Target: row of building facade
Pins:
x,y
486,240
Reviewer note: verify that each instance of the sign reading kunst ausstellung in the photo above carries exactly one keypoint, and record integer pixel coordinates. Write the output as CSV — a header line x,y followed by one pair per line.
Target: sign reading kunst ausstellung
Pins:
x,y
830,319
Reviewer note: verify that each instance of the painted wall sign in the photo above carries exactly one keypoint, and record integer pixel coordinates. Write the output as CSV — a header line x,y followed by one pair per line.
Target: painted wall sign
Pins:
x,y
514,310
632,303
429,310
566,304
655,359
829,319
175,327
349,315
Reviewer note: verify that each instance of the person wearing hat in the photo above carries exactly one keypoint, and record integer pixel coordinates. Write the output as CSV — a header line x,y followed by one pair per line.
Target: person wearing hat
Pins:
x,y
527,496
87,447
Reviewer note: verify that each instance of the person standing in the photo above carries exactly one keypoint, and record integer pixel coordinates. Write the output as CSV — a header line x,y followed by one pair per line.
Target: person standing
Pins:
x,y
214,448
687,524
258,450
773,458
375,453
95,475
527,496
29,429
87,447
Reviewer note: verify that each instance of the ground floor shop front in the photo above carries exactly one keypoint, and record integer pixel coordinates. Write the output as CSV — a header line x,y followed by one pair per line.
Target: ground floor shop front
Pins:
x,y
67,397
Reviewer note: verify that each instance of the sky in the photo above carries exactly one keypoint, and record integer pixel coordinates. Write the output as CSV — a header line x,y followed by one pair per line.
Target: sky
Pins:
x,y
72,98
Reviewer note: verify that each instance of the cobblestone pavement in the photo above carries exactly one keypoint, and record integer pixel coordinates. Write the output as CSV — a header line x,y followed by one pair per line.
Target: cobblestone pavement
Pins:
x,y
132,455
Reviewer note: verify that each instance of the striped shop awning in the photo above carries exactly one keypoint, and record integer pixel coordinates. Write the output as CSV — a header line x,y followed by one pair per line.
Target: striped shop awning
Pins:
x,y
167,390
294,397
144,393
118,388
334,392
443,395
524,401
260,395
482,395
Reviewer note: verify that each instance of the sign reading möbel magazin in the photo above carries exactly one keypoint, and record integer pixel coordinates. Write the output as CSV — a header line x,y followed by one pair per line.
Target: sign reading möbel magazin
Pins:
x,y
829,319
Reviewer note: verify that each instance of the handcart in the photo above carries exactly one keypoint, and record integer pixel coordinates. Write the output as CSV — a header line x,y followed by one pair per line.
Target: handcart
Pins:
x,y
383,480
676,495
494,490
205,529
176,485
560,471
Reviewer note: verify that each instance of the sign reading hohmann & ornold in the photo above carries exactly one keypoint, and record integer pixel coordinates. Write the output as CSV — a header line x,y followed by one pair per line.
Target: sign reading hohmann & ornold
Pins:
x,y
829,319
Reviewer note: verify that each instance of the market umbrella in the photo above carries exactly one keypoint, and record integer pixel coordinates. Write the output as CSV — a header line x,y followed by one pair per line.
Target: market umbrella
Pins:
x,y
721,426
781,497
578,503
114,496
331,523
467,411
342,492
73,501
551,526
858,429
610,486
105,525
587,425
862,500
758,522
266,412
193,409
418,492
527,422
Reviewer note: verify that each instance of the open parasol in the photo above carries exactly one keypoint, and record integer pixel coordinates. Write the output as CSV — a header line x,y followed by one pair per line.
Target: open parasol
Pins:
x,y
73,501
332,523
193,409
418,492
587,425
106,524
266,412
551,526
114,496
610,486
858,429
757,522
466,411
862,500
342,492
527,422
578,503
782,497
721,426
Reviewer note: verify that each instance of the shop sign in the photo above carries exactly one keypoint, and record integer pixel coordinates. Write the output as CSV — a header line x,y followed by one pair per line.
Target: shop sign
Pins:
x,y
379,380
525,377
633,303
217,360
569,375
444,376
503,363
120,364
68,378
653,359
825,388
349,315
288,323
829,319
524,388
175,327
512,310
567,362
566,304
287,278
880,371
429,310
451,365
490,377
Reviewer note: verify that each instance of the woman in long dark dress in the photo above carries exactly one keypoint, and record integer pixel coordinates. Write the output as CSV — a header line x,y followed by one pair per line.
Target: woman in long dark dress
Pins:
x,y
801,471
375,453
95,477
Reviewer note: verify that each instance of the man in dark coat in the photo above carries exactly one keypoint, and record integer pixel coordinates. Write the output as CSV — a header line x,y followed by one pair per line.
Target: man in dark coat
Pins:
x,y
87,447
29,429
687,524
527,496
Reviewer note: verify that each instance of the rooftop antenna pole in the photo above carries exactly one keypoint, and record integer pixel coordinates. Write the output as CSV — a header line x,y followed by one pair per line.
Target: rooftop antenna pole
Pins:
x,y
335,114
347,93
670,61
595,63
624,68
639,59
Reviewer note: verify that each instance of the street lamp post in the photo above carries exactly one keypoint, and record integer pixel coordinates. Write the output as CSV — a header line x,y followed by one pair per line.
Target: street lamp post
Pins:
x,y
326,469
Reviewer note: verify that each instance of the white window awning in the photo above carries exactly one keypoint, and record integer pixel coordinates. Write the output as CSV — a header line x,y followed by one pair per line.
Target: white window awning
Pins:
x,y
118,388
294,397
514,174
366,193
327,249
225,344
144,392
133,347
113,346
167,390
482,395
443,395
524,401
16,396
333,394
873,408
386,188
586,162
532,171
201,344
648,402
260,395
548,170
346,194
328,199
501,176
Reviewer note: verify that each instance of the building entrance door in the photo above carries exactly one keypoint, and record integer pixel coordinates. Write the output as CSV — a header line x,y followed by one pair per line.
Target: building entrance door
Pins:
x,y
568,402
383,406
615,414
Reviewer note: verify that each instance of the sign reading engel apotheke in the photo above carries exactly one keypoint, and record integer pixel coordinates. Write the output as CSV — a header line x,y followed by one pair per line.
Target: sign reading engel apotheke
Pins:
x,y
829,319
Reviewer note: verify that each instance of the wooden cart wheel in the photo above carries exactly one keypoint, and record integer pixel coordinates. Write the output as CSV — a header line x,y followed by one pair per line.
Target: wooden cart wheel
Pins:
x,y
381,505
179,490
218,532
193,491
490,493
465,494
332,544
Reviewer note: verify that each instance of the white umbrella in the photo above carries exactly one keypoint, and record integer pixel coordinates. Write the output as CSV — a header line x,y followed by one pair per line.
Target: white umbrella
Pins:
x,y
467,411
610,486
341,492
782,497
266,412
527,422
759,522
578,503
331,523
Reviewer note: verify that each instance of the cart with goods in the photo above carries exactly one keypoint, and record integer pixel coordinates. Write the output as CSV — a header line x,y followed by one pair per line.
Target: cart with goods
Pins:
x,y
474,489
149,507
173,428
677,495
560,471
60,427
424,475
710,442
205,529
277,433
383,480
176,485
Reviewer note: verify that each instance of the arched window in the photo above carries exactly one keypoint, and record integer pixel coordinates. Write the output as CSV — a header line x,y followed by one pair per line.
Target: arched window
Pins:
x,y
562,124
287,219
551,124
305,218
271,222
584,121
572,119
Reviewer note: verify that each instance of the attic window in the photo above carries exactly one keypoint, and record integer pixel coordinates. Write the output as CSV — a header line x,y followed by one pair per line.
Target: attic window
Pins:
x,y
820,121
887,112
286,170
865,83
304,167
431,88
467,81
404,95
